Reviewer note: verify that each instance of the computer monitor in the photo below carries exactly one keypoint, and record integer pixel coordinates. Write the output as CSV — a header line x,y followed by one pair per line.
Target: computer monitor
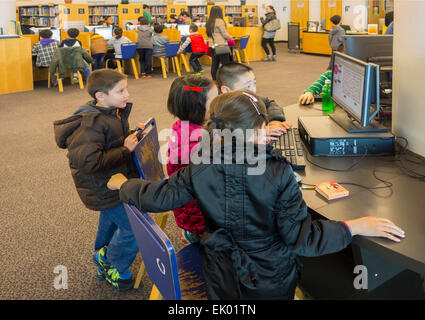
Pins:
x,y
56,34
184,29
364,47
90,28
105,32
346,27
355,88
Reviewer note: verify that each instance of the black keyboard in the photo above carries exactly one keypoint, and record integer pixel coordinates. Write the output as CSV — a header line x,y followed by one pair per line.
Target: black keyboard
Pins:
x,y
292,149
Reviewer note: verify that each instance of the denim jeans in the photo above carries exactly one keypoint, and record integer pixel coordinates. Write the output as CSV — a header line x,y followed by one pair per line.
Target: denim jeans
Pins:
x,y
86,69
194,62
145,59
114,231
98,61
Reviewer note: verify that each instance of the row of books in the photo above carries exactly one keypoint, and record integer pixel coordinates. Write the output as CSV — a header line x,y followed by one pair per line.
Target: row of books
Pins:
x,y
39,21
233,10
94,20
195,11
103,11
159,10
39,11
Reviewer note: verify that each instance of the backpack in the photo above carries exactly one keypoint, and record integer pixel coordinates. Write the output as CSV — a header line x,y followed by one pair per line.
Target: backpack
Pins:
x,y
273,25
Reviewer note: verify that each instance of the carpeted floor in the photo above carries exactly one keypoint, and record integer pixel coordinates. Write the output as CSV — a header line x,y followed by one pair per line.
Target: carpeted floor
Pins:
x,y
43,223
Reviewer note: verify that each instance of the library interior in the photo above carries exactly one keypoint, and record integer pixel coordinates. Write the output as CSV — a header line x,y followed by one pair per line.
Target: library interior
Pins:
x,y
148,127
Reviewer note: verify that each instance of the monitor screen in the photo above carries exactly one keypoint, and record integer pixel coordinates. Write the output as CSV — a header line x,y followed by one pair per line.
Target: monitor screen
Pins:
x,y
105,32
364,47
348,84
183,29
56,34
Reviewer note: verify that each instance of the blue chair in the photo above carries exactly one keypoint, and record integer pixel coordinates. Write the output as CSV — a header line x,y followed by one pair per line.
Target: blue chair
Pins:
x,y
242,47
171,49
175,276
127,51
146,156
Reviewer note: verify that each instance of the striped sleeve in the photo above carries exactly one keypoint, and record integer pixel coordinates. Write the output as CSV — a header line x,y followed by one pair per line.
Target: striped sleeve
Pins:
x,y
316,88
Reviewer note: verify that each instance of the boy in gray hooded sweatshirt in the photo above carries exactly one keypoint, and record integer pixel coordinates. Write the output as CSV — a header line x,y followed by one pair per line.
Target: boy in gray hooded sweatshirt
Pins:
x,y
336,36
145,47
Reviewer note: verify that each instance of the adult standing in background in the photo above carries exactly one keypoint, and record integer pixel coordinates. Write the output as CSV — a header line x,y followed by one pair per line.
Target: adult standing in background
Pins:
x,y
268,36
147,14
217,36
389,22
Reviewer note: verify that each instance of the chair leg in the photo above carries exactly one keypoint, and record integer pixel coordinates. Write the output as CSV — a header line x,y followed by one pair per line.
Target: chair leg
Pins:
x,y
139,275
71,78
48,79
119,66
177,66
133,64
106,64
246,56
155,295
164,71
183,59
80,80
60,84
173,63
238,56
161,219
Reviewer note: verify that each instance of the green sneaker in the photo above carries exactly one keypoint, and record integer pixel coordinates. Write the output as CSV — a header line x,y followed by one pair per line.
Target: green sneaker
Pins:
x,y
120,281
202,71
196,74
99,259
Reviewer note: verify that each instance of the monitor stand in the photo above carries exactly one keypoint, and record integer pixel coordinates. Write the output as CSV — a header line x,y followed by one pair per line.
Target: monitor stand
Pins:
x,y
352,126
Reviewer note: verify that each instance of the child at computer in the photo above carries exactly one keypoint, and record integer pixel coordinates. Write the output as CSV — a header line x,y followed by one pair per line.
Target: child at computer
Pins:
x,y
99,144
256,223
188,100
315,89
145,47
98,48
72,41
159,41
45,49
117,40
199,47
237,76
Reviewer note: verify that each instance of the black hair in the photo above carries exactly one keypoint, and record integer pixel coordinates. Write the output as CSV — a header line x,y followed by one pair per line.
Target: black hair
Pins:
x,y
228,74
271,7
193,27
215,13
389,17
145,6
73,32
103,80
188,104
118,32
173,16
143,21
45,34
335,19
157,27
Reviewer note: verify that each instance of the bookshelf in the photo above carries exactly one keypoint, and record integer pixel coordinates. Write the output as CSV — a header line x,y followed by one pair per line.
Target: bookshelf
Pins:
x,y
159,13
251,14
175,9
98,13
40,16
198,12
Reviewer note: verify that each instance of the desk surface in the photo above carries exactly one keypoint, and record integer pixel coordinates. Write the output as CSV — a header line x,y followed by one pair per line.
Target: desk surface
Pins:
x,y
405,205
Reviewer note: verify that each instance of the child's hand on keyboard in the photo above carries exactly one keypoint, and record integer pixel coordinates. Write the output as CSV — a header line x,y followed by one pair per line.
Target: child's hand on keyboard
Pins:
x,y
277,128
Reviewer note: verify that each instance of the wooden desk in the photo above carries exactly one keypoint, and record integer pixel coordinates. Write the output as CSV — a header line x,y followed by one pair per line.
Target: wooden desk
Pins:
x,y
16,65
316,42
404,206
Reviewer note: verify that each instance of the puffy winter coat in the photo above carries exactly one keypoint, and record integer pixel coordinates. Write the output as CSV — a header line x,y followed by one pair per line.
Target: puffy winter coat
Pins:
x,y
69,59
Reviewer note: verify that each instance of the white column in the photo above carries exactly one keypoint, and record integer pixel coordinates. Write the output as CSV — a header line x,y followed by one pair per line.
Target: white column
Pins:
x,y
409,73
7,13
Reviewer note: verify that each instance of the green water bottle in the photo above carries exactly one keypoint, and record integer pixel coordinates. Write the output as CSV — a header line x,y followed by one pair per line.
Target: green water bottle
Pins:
x,y
327,103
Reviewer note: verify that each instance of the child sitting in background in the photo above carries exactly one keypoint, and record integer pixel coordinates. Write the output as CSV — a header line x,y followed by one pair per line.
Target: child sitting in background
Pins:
x,y
256,225
72,41
199,48
99,47
45,49
144,47
159,41
190,106
117,40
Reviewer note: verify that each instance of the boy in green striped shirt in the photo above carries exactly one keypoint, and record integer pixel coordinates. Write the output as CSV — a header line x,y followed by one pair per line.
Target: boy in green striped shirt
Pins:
x,y
316,88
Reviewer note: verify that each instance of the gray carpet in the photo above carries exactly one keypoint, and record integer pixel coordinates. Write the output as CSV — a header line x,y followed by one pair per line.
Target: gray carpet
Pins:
x,y
43,223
